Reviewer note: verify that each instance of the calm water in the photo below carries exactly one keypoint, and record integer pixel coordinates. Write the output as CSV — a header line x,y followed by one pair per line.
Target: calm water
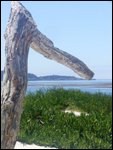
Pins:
x,y
92,86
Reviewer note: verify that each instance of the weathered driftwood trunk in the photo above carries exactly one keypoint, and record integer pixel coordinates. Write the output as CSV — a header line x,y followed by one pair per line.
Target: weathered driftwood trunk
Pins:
x,y
21,33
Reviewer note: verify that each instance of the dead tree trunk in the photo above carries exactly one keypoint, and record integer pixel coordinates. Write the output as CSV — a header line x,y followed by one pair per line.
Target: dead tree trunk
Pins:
x,y
21,33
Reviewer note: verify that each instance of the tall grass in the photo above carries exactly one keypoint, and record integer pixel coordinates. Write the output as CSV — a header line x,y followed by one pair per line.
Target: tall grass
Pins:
x,y
44,122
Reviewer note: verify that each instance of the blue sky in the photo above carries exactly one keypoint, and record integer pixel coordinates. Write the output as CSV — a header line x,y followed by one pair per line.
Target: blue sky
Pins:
x,y
83,29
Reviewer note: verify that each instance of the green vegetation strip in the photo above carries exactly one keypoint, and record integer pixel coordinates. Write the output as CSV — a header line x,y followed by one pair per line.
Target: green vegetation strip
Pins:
x,y
45,123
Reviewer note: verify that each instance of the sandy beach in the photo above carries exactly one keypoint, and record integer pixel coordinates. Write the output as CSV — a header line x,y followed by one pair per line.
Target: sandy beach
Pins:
x,y
20,145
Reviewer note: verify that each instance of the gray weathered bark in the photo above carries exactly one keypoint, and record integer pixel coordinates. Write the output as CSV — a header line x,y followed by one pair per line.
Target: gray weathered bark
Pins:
x,y
21,33
44,46
18,35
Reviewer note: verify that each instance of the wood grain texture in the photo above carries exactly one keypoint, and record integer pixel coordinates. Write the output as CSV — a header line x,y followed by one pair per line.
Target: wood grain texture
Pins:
x,y
18,36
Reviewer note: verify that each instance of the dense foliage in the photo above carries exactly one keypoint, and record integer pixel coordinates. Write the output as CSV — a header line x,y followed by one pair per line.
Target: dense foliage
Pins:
x,y
44,121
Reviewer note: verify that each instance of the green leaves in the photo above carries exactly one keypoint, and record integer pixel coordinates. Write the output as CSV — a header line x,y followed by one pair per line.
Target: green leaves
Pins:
x,y
44,122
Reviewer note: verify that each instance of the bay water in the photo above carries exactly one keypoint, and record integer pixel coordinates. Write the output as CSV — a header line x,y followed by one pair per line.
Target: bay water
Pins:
x,y
92,86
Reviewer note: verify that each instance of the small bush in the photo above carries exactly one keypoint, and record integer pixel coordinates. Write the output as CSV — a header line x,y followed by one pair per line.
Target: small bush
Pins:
x,y
43,121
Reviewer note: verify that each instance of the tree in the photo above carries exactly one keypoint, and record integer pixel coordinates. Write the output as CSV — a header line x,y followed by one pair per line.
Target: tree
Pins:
x,y
22,33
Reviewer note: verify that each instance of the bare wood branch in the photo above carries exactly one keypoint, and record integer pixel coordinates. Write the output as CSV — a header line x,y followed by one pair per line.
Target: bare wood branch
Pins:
x,y
46,47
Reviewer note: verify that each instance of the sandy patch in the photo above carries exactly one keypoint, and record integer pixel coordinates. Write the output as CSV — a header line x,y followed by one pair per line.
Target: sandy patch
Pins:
x,y
20,145
76,113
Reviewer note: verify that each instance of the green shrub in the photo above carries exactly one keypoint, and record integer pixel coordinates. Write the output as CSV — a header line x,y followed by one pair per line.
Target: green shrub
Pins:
x,y
43,121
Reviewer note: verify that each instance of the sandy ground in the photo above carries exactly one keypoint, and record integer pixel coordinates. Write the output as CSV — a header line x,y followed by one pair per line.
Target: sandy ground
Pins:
x,y
76,113
20,145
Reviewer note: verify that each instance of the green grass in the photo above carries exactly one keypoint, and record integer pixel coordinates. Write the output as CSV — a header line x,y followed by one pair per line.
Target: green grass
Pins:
x,y
43,121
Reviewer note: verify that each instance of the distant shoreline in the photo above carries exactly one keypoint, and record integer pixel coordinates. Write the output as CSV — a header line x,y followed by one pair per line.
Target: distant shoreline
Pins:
x,y
91,85
33,77
75,85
